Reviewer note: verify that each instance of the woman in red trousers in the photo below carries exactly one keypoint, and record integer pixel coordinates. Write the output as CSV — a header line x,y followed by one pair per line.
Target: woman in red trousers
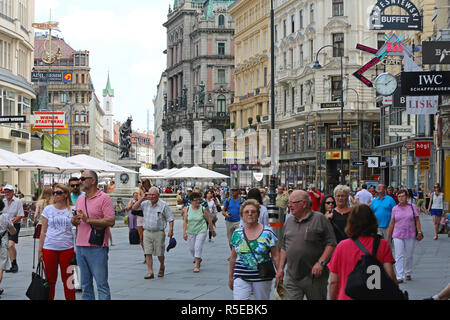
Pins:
x,y
56,242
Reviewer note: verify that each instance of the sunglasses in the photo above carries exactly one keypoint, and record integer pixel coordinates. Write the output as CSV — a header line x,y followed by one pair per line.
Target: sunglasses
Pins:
x,y
330,202
58,193
74,185
85,178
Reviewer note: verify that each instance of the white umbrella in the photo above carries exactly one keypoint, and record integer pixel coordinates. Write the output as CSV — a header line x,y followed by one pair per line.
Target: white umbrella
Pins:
x,y
91,163
13,161
60,163
148,173
197,172
169,174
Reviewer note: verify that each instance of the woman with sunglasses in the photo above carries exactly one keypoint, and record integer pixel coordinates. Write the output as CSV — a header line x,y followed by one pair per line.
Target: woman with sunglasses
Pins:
x,y
327,205
339,215
56,242
195,226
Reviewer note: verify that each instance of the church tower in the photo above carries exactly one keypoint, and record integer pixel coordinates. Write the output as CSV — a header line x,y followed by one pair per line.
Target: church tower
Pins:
x,y
108,125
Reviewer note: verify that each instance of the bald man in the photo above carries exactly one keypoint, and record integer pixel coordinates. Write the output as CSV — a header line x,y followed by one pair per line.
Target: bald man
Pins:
x,y
307,243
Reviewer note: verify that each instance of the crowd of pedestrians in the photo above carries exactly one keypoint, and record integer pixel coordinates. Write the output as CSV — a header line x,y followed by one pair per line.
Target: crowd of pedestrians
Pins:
x,y
322,240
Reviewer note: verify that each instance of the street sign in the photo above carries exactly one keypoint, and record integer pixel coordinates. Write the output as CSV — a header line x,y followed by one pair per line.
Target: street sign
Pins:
x,y
423,149
52,76
358,163
13,119
48,120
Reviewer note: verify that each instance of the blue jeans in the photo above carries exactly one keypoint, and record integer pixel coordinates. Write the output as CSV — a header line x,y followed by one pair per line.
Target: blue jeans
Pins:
x,y
93,262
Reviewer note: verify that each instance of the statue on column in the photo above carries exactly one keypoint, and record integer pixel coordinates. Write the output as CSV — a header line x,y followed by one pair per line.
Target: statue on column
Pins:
x,y
125,139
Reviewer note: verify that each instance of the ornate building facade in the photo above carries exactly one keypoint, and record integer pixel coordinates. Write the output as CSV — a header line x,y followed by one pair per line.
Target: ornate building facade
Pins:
x,y
200,63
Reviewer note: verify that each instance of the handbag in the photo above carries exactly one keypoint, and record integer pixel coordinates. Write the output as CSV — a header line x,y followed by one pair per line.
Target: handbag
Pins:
x,y
97,236
139,213
39,288
266,270
37,231
415,224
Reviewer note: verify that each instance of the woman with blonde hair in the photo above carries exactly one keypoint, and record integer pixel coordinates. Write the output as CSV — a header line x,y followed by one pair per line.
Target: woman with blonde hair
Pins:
x,y
56,244
44,200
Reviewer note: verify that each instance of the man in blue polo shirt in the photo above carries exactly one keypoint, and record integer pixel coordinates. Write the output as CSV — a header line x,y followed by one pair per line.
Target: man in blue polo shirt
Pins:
x,y
382,207
232,212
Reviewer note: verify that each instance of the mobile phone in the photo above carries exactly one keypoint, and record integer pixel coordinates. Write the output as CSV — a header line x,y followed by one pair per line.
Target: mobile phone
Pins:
x,y
74,212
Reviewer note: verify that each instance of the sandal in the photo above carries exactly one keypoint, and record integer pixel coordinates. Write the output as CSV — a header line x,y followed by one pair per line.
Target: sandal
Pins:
x,y
196,269
149,276
435,237
161,272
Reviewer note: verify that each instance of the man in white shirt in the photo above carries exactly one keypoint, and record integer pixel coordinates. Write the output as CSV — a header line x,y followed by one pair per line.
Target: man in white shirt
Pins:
x,y
14,209
363,196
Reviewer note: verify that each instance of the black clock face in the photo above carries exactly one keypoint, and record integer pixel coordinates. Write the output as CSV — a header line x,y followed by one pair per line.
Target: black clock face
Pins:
x,y
124,178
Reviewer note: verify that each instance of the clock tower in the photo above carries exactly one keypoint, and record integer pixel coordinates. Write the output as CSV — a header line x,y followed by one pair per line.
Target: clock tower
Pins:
x,y
108,125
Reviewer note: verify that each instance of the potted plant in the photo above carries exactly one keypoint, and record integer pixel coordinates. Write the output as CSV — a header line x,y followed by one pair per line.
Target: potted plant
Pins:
x,y
258,118
232,125
250,120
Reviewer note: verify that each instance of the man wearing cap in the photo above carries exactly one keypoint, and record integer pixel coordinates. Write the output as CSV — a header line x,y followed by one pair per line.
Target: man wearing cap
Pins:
x,y
14,210
156,216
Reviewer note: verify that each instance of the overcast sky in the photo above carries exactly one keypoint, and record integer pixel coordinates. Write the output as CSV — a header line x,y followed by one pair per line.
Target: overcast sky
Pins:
x,y
125,37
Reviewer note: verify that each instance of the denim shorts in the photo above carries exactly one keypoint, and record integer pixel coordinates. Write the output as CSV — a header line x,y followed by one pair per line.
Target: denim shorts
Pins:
x,y
436,212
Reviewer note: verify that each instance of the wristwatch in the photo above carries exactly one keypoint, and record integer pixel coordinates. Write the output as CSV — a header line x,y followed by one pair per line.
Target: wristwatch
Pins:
x,y
323,264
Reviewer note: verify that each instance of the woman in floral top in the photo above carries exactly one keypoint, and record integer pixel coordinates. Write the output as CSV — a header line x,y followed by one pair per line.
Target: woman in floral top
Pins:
x,y
243,277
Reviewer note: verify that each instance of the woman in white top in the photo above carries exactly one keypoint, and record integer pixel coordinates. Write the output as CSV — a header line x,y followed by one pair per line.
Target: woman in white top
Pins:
x,y
56,242
212,210
437,207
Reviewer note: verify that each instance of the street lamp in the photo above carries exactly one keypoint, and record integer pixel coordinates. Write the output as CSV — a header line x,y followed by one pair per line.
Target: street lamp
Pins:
x,y
359,142
341,102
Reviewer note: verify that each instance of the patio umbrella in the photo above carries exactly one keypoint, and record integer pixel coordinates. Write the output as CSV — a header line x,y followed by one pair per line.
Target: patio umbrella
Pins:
x,y
61,164
197,172
13,161
91,163
148,173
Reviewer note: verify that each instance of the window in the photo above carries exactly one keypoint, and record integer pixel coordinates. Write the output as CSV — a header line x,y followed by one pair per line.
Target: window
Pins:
x,y
221,76
293,141
221,21
311,138
334,136
283,142
221,104
77,117
292,24
336,86
301,95
293,100
265,76
291,57
265,40
338,8
284,29
338,45
77,138
300,139
285,59
311,48
83,137
301,55
311,13
285,102
221,49
276,33
300,19
63,98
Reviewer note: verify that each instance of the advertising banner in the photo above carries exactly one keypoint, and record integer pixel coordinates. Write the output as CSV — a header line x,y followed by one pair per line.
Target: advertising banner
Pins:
x,y
429,83
61,143
436,52
422,104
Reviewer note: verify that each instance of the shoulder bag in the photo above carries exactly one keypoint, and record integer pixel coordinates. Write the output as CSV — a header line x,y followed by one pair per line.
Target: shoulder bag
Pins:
x,y
39,288
97,236
266,269
415,224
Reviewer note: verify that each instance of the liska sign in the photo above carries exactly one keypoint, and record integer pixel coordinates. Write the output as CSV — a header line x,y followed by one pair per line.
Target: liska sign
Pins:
x,y
381,21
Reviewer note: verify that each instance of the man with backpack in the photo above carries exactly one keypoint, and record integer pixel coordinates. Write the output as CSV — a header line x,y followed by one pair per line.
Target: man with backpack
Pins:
x,y
232,212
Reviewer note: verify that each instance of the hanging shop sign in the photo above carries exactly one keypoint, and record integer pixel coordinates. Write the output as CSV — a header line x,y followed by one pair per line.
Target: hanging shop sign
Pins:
x,y
48,120
373,162
422,104
401,131
13,119
381,21
424,83
422,149
436,52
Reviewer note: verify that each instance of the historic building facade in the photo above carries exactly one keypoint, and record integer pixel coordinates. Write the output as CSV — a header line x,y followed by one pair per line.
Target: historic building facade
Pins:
x,y
200,63
71,97
16,91
251,109
160,135
307,99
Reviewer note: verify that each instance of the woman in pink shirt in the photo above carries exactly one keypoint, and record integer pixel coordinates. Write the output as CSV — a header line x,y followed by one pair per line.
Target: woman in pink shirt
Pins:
x,y
362,225
404,223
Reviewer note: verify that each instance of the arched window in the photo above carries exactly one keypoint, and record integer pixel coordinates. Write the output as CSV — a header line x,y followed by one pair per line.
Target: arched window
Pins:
x,y
82,138
77,138
221,104
87,137
221,21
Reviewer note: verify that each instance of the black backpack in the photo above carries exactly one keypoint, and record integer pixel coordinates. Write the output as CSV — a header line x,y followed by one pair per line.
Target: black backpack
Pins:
x,y
369,280
134,237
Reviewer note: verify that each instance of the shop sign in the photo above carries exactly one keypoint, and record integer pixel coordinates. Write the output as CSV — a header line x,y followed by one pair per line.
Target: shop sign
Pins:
x,y
401,131
423,149
380,21
436,52
49,120
336,155
373,162
424,164
425,83
13,119
422,104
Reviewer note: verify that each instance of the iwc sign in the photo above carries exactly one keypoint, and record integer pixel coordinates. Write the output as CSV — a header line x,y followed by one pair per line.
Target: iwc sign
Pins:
x,y
380,21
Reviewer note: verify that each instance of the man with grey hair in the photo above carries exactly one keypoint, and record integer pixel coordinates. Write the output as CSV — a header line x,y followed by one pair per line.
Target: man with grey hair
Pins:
x,y
95,210
306,244
156,216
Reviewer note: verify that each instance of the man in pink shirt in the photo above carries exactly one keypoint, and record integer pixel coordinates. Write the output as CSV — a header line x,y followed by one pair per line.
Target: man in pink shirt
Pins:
x,y
94,209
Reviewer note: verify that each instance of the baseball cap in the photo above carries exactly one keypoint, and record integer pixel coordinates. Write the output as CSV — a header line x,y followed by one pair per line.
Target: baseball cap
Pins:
x,y
8,187
189,189
172,244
